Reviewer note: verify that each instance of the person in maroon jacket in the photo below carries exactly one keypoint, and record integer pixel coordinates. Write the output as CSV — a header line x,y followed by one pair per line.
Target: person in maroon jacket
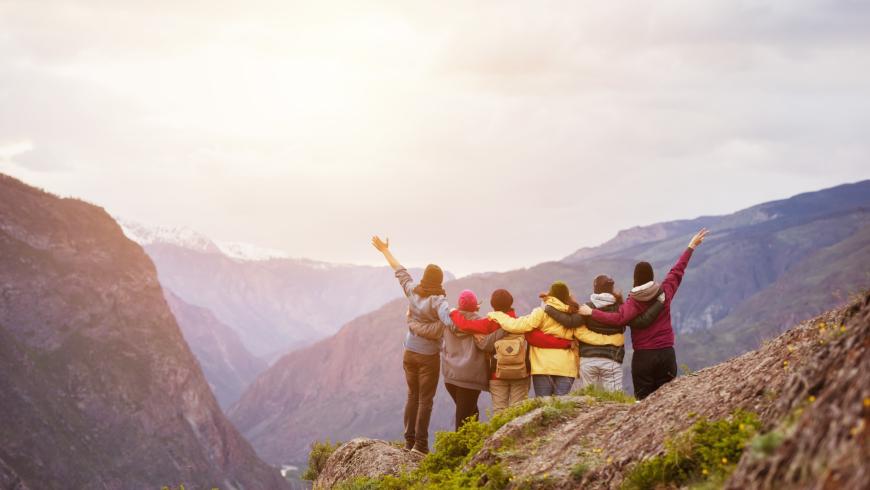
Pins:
x,y
654,362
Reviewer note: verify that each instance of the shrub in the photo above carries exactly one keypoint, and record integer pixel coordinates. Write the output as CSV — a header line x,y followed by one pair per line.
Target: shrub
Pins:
x,y
578,470
604,395
443,467
707,451
320,452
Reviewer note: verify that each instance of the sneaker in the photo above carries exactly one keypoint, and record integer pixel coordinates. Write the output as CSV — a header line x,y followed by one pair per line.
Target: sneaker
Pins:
x,y
422,452
409,446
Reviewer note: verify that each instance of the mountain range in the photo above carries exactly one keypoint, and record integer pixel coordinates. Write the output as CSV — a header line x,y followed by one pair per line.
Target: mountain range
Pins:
x,y
273,302
761,268
99,388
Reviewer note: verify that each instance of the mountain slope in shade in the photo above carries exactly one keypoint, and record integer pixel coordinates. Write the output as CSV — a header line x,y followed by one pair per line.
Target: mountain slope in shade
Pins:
x,y
99,388
273,305
226,364
356,377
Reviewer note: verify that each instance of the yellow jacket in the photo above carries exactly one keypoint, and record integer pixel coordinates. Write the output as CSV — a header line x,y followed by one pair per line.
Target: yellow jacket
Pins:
x,y
556,362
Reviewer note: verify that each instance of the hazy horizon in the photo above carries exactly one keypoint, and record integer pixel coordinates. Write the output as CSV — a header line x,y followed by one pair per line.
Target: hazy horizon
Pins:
x,y
482,137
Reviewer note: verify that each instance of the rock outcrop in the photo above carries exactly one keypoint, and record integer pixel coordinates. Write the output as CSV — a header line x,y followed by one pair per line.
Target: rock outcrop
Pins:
x,y
810,386
365,457
99,389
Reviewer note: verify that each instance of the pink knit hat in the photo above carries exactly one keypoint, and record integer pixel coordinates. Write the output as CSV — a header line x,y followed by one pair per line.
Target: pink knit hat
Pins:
x,y
468,301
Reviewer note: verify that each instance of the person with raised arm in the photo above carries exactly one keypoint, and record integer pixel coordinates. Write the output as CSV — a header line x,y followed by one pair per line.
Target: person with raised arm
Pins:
x,y
427,302
654,362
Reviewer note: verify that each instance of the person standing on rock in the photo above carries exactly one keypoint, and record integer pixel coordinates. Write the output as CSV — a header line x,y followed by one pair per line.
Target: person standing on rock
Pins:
x,y
654,362
427,302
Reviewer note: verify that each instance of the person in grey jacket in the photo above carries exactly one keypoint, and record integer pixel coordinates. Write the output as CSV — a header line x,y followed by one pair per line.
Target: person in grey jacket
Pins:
x,y
427,302
465,367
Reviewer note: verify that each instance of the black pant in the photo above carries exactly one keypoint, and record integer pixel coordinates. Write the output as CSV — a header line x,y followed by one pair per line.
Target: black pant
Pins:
x,y
421,374
650,369
466,403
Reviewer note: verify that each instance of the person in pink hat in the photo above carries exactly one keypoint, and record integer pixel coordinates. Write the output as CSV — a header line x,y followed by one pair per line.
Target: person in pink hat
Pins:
x,y
464,366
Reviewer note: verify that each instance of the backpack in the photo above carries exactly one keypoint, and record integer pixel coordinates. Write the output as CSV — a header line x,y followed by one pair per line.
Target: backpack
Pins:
x,y
510,357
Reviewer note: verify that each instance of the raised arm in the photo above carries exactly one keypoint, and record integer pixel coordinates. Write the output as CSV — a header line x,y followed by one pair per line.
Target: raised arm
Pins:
x,y
650,314
522,324
675,275
567,320
384,248
483,326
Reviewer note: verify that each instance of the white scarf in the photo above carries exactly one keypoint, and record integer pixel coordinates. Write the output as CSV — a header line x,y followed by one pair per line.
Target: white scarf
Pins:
x,y
602,299
643,287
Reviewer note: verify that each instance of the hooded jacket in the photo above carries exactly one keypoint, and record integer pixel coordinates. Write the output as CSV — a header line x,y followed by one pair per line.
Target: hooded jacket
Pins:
x,y
423,310
555,362
462,363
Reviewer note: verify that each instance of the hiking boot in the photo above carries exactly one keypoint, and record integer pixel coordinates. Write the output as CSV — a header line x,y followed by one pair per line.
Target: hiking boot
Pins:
x,y
409,446
422,452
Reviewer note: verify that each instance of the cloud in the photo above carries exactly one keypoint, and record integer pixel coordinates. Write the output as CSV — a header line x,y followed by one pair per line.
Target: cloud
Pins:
x,y
309,126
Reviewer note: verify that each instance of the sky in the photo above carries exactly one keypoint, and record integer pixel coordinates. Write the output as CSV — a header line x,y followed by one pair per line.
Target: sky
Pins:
x,y
481,136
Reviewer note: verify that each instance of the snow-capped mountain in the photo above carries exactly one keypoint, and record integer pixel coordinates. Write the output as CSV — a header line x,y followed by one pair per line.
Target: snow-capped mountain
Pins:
x,y
172,235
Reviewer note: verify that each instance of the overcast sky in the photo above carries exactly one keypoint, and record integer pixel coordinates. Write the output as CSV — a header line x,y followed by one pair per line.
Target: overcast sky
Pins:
x,y
477,135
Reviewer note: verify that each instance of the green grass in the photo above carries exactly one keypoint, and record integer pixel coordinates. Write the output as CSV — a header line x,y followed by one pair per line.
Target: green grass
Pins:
x,y
699,457
604,395
579,470
320,452
443,467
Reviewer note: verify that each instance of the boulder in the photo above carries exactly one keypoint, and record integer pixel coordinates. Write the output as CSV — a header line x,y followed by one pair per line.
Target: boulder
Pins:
x,y
364,457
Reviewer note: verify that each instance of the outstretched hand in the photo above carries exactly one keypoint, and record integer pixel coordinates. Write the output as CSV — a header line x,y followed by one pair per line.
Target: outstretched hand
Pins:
x,y
698,238
585,310
381,245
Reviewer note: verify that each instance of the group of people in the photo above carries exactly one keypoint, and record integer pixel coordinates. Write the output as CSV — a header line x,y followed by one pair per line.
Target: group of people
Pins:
x,y
505,354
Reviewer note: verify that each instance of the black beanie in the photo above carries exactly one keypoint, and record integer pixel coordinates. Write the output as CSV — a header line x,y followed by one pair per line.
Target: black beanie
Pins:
x,y
433,276
559,290
602,284
643,273
501,300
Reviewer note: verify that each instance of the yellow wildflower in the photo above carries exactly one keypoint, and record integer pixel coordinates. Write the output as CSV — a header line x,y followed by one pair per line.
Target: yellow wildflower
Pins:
x,y
705,472
724,460
742,427
785,363
609,460
867,402
842,329
811,398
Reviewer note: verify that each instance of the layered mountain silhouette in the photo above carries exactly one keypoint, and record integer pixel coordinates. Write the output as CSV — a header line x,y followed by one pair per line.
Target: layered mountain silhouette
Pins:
x,y
99,388
274,303
762,268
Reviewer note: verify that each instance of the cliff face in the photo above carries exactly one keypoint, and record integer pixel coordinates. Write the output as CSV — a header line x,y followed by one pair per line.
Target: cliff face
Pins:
x,y
99,388
809,389
226,363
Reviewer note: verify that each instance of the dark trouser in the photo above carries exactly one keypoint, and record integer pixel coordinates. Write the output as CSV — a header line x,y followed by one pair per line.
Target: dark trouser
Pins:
x,y
466,403
650,369
421,374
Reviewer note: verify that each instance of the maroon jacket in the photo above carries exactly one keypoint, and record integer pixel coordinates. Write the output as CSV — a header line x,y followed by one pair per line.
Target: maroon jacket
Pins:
x,y
660,334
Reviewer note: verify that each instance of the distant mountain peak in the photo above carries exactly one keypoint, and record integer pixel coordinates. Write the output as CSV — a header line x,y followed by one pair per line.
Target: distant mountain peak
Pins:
x,y
247,252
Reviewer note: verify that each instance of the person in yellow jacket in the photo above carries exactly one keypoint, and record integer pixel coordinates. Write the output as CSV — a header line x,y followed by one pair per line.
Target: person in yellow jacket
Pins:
x,y
554,370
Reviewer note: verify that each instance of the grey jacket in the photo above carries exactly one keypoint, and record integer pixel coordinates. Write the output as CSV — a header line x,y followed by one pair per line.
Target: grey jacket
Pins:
x,y
462,363
423,310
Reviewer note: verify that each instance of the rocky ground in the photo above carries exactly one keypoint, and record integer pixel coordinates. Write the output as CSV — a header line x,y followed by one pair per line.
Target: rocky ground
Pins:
x,y
810,385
